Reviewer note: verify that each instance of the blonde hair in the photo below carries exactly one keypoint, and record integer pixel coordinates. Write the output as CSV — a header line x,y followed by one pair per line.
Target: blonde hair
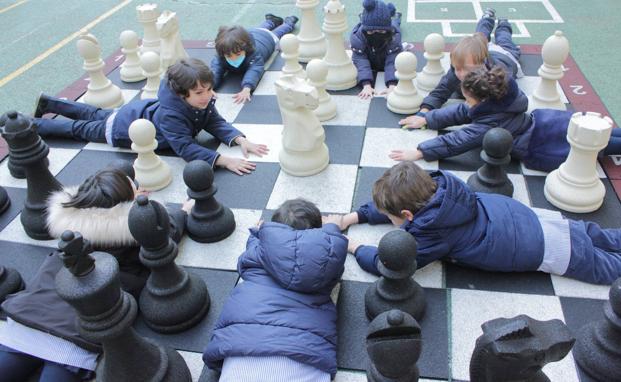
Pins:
x,y
474,46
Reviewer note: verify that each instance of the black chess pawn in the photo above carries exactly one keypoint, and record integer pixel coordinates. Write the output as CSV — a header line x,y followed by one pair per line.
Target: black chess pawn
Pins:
x,y
173,299
90,283
5,201
10,282
394,345
492,177
396,289
27,150
209,221
516,349
598,350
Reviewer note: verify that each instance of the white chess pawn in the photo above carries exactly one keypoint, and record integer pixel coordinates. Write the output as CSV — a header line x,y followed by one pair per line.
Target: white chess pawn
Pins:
x,y
317,71
289,47
404,98
304,151
575,186
150,63
100,91
432,73
147,16
554,52
151,172
130,68
311,38
341,70
171,47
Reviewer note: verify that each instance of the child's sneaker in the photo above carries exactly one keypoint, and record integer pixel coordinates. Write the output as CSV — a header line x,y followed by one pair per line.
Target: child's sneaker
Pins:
x,y
291,20
490,12
275,19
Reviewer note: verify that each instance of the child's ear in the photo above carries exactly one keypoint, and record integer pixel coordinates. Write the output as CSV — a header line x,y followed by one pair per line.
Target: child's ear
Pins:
x,y
407,215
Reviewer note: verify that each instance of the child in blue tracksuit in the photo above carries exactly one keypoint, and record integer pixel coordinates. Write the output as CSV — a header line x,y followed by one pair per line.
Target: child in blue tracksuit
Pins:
x,y
375,43
184,107
485,231
470,53
246,51
494,100
279,324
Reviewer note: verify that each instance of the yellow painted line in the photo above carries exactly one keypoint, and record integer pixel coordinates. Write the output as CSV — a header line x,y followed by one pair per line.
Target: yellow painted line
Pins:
x,y
62,43
12,6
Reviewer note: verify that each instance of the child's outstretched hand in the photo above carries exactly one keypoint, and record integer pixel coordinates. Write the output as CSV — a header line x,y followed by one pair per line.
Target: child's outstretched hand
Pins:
x,y
342,221
413,122
367,92
187,205
253,148
403,155
387,91
352,245
242,96
236,165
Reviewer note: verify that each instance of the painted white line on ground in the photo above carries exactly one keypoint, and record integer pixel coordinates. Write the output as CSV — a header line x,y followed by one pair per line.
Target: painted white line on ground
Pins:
x,y
243,11
13,6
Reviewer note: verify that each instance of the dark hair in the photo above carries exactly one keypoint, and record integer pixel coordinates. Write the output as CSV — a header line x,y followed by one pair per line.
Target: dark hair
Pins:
x,y
298,213
486,83
405,186
232,40
105,189
186,74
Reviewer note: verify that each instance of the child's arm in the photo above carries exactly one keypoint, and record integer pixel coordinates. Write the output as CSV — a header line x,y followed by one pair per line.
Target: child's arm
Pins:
x,y
178,134
220,128
454,143
256,67
438,96
451,115
362,64
218,71
368,213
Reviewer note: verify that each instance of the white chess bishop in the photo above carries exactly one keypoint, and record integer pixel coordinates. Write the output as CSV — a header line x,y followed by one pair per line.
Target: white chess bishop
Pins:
x,y
341,70
546,95
147,15
404,98
304,151
575,186
130,68
317,71
432,73
171,47
151,172
311,38
100,90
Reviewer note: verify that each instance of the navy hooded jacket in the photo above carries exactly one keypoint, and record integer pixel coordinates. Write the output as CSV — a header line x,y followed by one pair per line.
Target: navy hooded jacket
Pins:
x,y
484,231
367,59
283,307
253,65
176,124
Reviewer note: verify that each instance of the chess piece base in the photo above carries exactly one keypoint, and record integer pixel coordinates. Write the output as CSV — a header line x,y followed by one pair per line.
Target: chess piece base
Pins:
x,y
402,103
477,184
341,76
311,48
325,111
415,305
107,98
373,375
305,163
213,230
538,103
34,225
5,201
579,198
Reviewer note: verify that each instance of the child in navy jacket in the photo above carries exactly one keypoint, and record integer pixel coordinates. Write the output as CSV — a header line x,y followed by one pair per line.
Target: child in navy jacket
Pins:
x,y
246,51
485,231
375,43
279,324
494,100
184,107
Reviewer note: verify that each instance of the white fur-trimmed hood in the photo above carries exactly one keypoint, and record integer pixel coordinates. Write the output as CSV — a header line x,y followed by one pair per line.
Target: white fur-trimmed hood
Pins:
x,y
103,227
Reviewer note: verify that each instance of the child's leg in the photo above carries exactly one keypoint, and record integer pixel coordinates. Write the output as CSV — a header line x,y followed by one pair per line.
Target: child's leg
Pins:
x,y
503,36
72,109
486,26
54,372
614,144
286,27
16,367
267,24
90,131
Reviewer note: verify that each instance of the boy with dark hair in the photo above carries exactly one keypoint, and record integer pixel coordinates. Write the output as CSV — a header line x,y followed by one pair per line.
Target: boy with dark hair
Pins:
x,y
280,323
485,231
184,107
246,51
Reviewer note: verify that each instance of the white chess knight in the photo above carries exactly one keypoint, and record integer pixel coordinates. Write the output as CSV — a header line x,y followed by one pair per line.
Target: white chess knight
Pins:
x,y
289,46
304,151
147,15
130,68
151,172
100,91
150,63
404,98
341,70
171,47
311,38
317,71
546,95
575,186
432,73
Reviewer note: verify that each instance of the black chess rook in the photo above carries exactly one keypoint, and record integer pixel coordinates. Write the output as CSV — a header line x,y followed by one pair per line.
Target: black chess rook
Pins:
x,y
492,177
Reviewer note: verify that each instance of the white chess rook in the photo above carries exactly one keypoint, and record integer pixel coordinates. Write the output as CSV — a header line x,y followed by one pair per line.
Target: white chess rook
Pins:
x,y
289,46
151,172
432,73
317,71
546,95
404,98
575,186
150,63
341,70
171,47
130,68
304,151
311,38
100,90
147,15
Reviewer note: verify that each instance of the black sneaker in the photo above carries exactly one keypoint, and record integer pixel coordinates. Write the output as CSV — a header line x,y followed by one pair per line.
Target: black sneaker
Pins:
x,y
40,105
291,20
503,20
275,19
490,12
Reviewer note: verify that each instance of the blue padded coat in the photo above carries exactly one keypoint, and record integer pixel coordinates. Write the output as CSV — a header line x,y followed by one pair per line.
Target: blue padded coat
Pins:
x,y
367,59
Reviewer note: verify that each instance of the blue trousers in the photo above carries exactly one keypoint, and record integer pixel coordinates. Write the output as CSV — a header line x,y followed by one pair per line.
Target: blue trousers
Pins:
x,y
502,35
614,144
85,122
279,31
595,253
18,367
